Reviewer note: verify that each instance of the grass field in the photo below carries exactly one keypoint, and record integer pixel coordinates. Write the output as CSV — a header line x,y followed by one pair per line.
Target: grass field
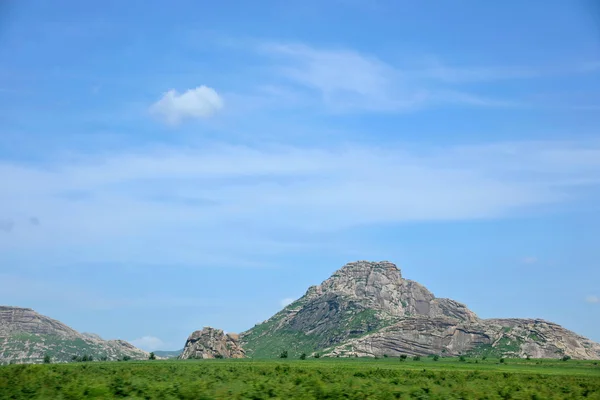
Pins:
x,y
387,378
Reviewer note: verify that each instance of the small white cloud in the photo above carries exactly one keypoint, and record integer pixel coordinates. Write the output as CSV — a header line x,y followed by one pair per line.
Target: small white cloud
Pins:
x,y
286,302
529,260
201,102
148,343
592,299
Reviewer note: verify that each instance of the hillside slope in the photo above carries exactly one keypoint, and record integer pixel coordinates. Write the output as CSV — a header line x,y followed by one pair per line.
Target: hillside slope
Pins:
x,y
26,337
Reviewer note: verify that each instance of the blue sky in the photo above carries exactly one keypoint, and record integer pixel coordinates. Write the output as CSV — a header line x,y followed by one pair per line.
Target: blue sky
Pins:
x,y
166,166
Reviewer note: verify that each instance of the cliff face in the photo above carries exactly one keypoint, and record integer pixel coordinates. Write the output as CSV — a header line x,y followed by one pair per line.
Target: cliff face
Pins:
x,y
368,309
212,343
26,337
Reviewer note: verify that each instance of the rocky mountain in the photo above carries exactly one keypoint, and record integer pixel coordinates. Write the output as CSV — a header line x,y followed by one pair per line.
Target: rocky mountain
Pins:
x,y
368,309
26,337
212,343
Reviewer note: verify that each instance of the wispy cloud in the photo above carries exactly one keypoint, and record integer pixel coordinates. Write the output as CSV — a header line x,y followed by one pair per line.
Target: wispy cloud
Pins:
x,y
221,194
200,102
348,80
592,299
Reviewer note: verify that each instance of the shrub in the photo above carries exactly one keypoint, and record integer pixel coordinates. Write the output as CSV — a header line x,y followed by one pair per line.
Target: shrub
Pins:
x,y
284,354
126,358
416,358
219,356
436,357
502,360
566,358
303,356
47,359
152,356
403,357
462,359
317,355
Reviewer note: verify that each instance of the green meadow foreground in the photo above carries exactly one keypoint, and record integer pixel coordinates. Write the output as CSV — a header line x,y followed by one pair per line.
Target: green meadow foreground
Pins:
x,y
388,378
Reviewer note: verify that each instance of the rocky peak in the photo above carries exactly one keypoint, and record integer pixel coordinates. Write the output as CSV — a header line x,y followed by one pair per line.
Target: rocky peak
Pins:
x,y
212,343
364,272
360,279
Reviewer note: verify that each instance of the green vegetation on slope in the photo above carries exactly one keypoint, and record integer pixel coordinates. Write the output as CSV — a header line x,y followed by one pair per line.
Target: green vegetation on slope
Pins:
x,y
32,348
504,346
270,338
294,342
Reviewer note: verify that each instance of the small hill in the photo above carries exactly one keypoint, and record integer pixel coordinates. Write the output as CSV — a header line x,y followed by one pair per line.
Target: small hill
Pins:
x,y
369,309
26,337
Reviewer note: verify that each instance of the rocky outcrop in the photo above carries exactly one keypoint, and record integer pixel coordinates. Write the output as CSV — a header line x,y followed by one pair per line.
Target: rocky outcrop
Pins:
x,y
212,343
442,336
369,309
26,337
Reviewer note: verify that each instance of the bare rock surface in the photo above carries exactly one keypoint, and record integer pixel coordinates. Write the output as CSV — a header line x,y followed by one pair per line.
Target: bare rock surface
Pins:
x,y
212,343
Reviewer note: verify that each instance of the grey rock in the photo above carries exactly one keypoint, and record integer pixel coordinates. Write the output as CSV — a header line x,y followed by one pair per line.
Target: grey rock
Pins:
x,y
212,343
443,336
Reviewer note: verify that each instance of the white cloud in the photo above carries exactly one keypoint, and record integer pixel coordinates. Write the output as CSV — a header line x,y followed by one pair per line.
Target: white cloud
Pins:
x,y
592,299
201,102
148,343
188,205
286,302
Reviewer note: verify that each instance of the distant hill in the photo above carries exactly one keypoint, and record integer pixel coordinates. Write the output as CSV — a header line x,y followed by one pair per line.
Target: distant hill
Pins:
x,y
368,309
26,337
168,353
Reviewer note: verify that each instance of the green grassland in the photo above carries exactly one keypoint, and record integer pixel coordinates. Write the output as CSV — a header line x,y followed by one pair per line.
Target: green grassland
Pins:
x,y
386,378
